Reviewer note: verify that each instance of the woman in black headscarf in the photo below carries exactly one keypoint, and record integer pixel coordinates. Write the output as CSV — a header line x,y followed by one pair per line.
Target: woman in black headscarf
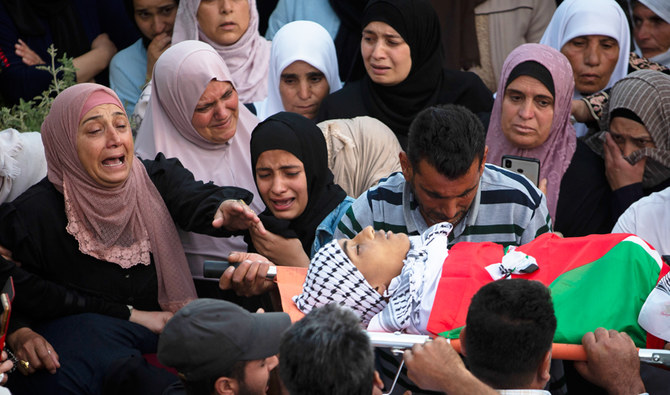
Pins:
x,y
289,160
401,53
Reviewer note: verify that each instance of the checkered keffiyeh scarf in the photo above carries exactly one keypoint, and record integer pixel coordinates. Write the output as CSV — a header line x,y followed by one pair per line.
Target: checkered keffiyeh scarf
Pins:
x,y
406,291
332,278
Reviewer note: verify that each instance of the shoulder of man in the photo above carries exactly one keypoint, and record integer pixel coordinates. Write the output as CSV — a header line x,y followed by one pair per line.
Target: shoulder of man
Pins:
x,y
374,206
503,186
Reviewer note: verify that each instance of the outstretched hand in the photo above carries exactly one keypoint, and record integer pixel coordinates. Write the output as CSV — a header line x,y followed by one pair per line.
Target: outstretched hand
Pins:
x,y
28,56
237,215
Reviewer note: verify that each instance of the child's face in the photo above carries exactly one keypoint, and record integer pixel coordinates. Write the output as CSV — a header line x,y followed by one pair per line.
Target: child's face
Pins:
x,y
377,255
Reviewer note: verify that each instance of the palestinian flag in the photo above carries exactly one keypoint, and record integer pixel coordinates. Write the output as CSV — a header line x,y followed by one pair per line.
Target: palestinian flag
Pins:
x,y
595,281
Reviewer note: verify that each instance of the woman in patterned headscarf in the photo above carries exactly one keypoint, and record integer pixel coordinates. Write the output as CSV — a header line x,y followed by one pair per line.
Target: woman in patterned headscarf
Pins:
x,y
617,167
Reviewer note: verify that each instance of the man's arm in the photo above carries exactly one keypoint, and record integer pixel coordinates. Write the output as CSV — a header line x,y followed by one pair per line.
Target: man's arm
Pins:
x,y
436,366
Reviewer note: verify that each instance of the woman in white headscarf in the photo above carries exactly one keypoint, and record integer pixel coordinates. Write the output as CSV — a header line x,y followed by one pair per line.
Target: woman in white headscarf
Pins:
x,y
216,149
651,29
582,30
303,70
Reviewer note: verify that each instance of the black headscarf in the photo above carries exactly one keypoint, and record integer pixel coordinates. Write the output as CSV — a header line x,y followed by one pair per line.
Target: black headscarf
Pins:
x,y
62,20
533,69
417,23
348,38
301,137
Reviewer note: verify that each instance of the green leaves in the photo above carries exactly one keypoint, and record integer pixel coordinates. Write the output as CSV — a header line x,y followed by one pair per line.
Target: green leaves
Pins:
x,y
27,116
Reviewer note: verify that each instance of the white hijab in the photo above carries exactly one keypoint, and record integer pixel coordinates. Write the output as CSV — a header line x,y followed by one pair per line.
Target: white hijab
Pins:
x,y
180,77
300,40
22,162
574,18
662,9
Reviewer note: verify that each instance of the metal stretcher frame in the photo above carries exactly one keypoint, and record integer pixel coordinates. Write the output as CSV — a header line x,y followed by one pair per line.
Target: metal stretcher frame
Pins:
x,y
290,280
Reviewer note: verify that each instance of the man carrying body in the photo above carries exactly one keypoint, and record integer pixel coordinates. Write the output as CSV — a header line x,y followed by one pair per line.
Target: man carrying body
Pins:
x,y
507,343
444,178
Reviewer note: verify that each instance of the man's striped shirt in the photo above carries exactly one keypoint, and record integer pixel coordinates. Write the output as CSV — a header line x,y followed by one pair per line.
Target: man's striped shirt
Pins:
x,y
508,209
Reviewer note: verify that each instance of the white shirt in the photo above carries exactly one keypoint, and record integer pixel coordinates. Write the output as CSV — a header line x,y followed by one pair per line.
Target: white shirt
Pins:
x,y
649,218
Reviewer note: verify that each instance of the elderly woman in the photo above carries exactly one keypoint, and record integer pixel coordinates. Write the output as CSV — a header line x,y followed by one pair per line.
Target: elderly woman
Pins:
x,y
231,28
98,236
303,70
651,30
615,168
531,114
401,53
195,116
595,37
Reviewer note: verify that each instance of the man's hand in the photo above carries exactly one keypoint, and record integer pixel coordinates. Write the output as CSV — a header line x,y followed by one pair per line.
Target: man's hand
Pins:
x,y
30,346
155,49
250,277
618,170
28,56
612,362
153,320
237,215
280,250
436,366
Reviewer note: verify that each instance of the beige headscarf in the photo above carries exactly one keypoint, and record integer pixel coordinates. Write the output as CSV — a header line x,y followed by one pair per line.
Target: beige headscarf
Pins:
x,y
361,151
123,224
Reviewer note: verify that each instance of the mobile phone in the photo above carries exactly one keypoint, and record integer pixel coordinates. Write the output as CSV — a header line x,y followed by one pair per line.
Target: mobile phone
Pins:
x,y
529,167
6,298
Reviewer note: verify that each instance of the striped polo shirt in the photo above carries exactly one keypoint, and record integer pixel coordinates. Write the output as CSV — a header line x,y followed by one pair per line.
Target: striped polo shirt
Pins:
x,y
508,209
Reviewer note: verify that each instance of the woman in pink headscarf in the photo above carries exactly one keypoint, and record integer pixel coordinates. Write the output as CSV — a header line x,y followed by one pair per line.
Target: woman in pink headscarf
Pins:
x,y
231,28
531,114
98,236
194,115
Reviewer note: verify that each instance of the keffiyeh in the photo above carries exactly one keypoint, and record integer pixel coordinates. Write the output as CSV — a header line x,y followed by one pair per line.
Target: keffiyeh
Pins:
x,y
332,278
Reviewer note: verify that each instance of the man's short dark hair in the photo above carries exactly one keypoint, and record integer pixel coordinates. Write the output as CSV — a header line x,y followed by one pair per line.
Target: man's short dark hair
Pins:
x,y
509,328
448,137
327,353
206,385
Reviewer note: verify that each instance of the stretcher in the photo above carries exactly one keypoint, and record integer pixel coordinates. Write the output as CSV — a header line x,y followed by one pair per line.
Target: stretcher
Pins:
x,y
290,279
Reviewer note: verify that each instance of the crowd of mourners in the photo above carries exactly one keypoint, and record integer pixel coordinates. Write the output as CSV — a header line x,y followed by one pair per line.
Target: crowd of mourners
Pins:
x,y
360,139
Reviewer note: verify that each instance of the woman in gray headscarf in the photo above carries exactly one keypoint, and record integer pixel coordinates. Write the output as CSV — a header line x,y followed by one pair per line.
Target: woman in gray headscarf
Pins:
x,y
628,160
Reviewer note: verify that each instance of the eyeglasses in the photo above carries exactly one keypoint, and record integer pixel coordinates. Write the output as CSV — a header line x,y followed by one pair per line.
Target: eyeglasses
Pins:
x,y
639,142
